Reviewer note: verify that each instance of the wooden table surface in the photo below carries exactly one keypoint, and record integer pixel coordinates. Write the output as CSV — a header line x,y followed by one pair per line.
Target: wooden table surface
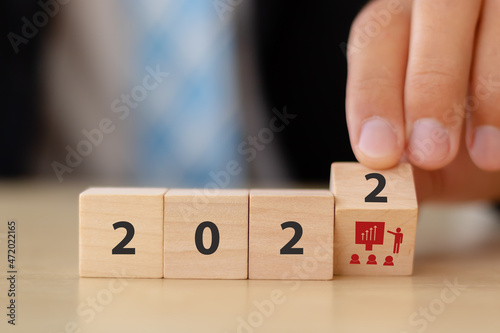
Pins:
x,y
455,286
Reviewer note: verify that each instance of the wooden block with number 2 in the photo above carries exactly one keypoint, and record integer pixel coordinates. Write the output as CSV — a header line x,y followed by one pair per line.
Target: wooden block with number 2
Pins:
x,y
291,234
375,219
121,232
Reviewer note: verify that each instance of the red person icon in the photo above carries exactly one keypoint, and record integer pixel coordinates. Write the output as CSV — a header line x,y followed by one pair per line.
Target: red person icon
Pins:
x,y
354,259
372,260
389,261
398,239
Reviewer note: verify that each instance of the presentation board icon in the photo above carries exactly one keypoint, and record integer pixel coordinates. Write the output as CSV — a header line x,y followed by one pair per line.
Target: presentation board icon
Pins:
x,y
369,234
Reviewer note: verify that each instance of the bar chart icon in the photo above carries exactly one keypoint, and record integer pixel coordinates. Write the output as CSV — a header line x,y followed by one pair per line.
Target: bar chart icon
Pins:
x,y
369,234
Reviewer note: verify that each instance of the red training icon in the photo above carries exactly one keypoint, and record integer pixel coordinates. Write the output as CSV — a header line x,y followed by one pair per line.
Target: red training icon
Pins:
x,y
370,233
398,239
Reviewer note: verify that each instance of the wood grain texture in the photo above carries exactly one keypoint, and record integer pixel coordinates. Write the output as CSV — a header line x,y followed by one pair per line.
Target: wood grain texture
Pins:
x,y
313,210
356,238
185,209
52,297
100,208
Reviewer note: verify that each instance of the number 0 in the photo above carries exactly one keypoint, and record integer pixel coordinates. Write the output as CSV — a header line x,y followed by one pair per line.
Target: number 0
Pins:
x,y
198,237
288,248
373,196
120,248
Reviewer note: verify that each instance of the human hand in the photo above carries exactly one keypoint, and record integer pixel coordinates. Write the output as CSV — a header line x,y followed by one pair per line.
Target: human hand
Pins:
x,y
424,86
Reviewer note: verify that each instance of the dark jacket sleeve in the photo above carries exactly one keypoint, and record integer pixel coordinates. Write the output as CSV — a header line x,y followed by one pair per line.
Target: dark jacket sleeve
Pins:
x,y
19,50
302,62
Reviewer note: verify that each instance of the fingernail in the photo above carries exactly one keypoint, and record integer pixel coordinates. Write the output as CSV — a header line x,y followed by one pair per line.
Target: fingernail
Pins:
x,y
429,143
485,150
378,139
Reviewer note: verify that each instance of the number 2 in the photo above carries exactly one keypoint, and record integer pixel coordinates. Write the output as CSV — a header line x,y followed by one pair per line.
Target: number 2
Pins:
x,y
120,248
373,196
288,248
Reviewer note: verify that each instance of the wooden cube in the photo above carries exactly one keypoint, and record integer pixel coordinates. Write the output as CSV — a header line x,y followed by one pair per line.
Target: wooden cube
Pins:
x,y
291,234
375,219
206,234
121,232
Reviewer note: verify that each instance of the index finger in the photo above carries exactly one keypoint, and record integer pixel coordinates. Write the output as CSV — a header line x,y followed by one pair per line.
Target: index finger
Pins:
x,y
377,57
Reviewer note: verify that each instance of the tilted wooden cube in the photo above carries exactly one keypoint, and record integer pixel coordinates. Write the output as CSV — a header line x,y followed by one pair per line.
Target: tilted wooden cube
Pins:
x,y
291,234
206,234
121,232
375,219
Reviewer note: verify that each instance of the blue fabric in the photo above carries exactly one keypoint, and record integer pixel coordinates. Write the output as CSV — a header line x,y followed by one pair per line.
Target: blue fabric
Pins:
x,y
190,125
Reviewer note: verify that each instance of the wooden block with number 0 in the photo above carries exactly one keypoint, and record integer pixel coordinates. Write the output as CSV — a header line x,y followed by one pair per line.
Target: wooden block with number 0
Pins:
x,y
375,219
121,232
291,234
206,234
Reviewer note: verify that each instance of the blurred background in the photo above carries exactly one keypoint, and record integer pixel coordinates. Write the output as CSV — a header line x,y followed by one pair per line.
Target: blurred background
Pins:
x,y
184,93
174,93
